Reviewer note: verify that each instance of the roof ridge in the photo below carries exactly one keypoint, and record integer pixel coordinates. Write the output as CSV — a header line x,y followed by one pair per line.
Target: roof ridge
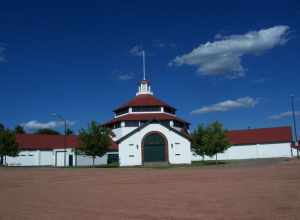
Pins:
x,y
253,129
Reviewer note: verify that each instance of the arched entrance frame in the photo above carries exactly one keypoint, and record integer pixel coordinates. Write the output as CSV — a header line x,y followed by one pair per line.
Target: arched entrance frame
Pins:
x,y
166,150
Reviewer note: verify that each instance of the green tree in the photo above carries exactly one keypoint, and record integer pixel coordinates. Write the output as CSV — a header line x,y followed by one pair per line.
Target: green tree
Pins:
x,y
47,131
8,144
198,144
19,130
95,140
69,131
215,140
1,127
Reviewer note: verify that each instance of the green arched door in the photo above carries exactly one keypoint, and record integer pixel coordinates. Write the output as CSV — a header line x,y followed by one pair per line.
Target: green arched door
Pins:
x,y
154,148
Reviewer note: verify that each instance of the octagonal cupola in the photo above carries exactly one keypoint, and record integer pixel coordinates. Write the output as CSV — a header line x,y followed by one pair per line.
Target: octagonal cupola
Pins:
x,y
144,88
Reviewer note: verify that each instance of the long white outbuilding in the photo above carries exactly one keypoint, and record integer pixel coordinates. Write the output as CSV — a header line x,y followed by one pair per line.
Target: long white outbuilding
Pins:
x,y
54,150
256,143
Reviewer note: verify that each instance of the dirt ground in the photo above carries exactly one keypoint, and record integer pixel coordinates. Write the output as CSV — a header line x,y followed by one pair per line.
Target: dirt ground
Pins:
x,y
257,190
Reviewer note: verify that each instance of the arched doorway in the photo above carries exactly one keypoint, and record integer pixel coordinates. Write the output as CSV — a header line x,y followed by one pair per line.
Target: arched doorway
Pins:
x,y
155,147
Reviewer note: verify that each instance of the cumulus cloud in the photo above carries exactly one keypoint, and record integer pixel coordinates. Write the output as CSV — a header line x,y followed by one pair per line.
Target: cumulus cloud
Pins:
x,y
35,125
284,115
136,50
224,55
245,102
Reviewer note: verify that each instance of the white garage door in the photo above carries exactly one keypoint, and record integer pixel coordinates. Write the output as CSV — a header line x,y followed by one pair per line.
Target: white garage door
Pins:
x,y
59,158
46,158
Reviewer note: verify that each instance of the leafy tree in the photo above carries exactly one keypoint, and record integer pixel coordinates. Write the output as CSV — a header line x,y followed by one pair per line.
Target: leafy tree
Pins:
x,y
69,131
215,140
95,140
19,130
8,144
1,127
210,140
47,131
198,143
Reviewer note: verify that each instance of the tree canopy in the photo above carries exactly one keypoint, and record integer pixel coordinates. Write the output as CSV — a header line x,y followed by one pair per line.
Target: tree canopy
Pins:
x,y
47,131
19,130
8,144
69,131
210,140
95,140
198,142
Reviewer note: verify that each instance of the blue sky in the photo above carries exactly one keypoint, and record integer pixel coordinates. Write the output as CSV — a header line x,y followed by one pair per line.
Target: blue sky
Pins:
x,y
235,62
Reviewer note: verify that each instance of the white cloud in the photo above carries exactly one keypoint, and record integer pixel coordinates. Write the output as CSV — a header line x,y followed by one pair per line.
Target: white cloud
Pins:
x,y
245,102
42,125
136,50
125,76
224,55
284,115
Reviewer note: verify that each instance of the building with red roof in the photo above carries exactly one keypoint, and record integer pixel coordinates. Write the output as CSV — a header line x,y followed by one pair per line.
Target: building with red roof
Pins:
x,y
257,143
260,136
54,150
147,129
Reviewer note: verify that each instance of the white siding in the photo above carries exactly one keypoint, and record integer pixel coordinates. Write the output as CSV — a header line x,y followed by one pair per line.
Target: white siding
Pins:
x,y
240,152
120,132
130,152
60,158
40,158
46,158
25,158
84,160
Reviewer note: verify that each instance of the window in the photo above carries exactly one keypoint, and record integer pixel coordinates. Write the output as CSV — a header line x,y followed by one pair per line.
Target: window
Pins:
x,y
169,110
122,111
117,125
178,124
166,123
131,123
146,109
142,123
112,158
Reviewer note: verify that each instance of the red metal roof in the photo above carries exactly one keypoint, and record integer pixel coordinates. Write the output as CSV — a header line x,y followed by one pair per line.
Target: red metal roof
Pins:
x,y
46,142
146,117
144,100
260,136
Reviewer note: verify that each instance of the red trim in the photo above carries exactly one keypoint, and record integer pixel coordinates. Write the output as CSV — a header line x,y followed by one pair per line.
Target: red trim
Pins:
x,y
145,117
166,154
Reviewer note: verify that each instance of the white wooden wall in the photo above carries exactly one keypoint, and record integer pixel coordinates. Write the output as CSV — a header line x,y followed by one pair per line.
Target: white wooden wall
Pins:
x,y
179,148
240,152
40,158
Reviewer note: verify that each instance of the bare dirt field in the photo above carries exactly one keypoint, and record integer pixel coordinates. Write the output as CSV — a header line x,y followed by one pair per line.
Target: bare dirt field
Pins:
x,y
256,190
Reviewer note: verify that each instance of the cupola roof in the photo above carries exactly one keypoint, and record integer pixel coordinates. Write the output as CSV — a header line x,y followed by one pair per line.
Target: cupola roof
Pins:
x,y
144,100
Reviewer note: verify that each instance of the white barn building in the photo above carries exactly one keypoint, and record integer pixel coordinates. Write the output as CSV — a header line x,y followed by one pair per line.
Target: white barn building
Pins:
x,y
54,150
147,130
256,143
